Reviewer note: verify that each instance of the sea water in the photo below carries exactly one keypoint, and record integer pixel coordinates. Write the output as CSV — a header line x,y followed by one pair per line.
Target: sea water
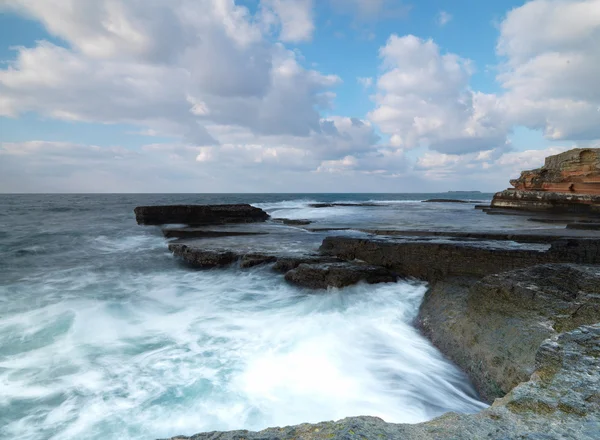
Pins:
x,y
104,335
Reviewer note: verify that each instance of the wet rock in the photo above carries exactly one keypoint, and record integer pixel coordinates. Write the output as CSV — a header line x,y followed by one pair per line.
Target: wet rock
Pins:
x,y
251,260
331,205
561,400
437,261
322,276
293,222
203,258
493,327
584,226
199,214
285,264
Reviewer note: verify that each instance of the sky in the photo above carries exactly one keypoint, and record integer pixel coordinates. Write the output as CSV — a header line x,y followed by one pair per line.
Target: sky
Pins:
x,y
292,95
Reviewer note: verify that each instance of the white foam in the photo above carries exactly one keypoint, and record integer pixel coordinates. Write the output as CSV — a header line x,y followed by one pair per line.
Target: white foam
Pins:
x,y
178,352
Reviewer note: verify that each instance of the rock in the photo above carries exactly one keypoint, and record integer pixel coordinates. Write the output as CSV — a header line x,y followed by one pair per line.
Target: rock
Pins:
x,y
203,258
568,182
199,214
203,233
575,171
561,400
332,205
285,264
251,260
584,225
293,222
558,202
436,261
492,328
322,276
445,201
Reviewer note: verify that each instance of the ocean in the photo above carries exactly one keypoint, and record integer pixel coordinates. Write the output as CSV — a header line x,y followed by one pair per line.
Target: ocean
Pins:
x,y
104,335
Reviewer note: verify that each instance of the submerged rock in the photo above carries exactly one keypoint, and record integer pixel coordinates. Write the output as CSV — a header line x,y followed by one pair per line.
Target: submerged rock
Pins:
x,y
293,222
251,260
322,276
561,400
203,233
285,264
199,214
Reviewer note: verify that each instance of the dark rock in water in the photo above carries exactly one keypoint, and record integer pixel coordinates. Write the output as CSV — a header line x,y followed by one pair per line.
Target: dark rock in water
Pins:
x,y
322,276
251,260
331,205
203,258
445,201
482,206
199,214
492,328
203,233
435,261
561,400
293,222
285,264
584,225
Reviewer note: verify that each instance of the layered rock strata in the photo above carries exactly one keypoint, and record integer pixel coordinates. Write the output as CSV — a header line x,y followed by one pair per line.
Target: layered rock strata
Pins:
x,y
568,182
434,261
199,214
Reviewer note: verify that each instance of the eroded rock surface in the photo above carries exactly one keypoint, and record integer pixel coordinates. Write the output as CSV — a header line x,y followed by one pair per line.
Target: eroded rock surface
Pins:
x,y
491,328
561,400
437,261
199,214
568,182
322,276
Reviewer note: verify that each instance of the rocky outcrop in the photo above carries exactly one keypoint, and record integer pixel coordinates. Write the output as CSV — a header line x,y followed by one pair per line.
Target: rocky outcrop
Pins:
x,y
575,171
561,400
203,258
568,182
547,201
322,276
199,214
492,328
437,261
285,264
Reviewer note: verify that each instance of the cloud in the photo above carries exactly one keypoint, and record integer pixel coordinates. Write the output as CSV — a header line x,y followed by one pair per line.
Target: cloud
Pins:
x,y
423,98
293,17
551,71
371,10
443,18
171,67
365,82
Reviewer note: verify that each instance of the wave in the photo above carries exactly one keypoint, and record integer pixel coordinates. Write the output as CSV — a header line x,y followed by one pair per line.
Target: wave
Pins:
x,y
186,351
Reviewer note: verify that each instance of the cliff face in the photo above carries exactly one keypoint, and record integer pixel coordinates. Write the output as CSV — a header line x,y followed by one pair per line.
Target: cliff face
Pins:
x,y
574,171
569,181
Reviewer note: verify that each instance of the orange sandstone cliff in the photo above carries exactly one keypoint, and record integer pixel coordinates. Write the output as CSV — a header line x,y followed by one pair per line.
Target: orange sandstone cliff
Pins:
x,y
568,182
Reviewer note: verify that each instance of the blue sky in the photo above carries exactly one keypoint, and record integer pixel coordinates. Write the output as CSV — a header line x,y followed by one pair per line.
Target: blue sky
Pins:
x,y
376,95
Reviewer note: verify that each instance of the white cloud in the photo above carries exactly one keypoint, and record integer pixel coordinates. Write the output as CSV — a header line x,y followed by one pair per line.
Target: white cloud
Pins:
x,y
552,67
293,17
169,67
366,82
423,98
443,18
369,10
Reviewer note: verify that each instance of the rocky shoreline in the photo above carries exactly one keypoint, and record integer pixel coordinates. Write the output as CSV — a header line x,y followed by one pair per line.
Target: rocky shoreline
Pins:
x,y
522,322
